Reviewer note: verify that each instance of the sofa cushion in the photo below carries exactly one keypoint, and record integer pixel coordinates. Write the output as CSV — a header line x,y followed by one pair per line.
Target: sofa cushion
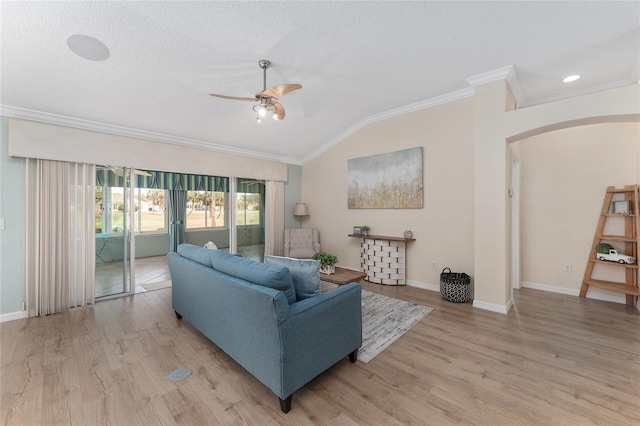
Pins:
x,y
306,278
274,276
195,253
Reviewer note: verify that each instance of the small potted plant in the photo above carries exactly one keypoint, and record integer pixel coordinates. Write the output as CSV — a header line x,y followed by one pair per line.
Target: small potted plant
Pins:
x,y
327,262
603,248
365,230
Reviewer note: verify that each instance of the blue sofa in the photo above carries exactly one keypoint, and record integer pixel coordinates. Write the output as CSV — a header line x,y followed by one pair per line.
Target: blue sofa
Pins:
x,y
248,310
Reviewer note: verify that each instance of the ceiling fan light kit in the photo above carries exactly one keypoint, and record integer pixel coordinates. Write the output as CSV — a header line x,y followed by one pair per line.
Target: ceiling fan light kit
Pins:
x,y
268,98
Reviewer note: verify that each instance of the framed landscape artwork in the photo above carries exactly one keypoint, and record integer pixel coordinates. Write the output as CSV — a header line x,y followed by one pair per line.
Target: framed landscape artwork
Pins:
x,y
386,181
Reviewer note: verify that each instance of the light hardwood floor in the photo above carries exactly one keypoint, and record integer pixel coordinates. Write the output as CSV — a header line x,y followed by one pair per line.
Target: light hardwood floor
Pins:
x,y
554,359
150,273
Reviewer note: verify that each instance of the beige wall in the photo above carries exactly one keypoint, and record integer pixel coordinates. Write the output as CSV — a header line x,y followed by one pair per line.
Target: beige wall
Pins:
x,y
465,221
443,228
492,128
564,177
492,168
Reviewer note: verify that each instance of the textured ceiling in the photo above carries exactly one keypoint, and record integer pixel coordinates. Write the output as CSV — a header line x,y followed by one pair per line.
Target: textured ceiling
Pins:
x,y
355,60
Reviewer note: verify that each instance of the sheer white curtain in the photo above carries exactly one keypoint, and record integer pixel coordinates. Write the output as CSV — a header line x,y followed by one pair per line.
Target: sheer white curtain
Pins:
x,y
274,218
60,214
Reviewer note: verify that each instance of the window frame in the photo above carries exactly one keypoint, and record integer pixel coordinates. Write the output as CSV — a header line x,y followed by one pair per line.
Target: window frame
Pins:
x,y
107,214
138,215
261,203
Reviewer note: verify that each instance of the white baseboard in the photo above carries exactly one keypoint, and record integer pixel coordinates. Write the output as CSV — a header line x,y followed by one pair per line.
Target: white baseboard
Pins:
x,y
550,288
424,286
593,292
11,316
501,309
476,303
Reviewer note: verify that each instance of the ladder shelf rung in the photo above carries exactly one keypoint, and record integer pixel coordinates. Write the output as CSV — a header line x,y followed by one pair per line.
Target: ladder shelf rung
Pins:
x,y
614,286
616,238
609,262
620,190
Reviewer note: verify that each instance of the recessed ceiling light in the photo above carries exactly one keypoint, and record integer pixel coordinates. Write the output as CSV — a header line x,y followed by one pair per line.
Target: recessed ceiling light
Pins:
x,y
88,47
571,78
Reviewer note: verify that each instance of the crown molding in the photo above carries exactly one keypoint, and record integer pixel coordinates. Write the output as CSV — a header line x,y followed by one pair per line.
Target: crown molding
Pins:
x,y
77,123
490,76
505,73
585,91
514,84
406,109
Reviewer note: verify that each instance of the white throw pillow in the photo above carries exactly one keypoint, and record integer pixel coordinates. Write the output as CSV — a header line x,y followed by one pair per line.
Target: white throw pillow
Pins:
x,y
211,245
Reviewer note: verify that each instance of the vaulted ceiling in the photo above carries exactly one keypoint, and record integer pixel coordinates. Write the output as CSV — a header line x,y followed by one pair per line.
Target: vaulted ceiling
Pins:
x,y
355,60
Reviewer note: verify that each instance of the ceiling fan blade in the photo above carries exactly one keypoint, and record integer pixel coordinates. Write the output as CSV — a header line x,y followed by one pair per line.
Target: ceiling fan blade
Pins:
x,y
119,171
279,90
234,98
279,110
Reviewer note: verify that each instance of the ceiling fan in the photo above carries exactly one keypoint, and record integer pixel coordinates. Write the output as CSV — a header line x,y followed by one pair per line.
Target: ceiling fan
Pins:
x,y
268,98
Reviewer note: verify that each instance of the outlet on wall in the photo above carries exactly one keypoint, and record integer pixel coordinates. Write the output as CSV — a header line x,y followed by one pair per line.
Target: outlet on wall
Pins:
x,y
567,267
434,265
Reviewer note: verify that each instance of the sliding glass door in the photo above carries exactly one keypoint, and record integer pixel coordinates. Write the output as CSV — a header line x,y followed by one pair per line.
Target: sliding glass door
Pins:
x,y
249,218
114,216
156,211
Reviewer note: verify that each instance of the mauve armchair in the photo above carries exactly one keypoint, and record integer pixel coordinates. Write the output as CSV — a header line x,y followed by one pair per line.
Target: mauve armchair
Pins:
x,y
301,243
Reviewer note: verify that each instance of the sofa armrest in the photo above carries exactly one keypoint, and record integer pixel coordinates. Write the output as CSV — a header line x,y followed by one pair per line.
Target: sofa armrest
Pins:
x,y
316,247
323,300
318,332
286,249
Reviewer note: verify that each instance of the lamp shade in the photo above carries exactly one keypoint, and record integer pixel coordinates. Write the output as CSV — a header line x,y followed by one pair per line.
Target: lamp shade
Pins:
x,y
301,209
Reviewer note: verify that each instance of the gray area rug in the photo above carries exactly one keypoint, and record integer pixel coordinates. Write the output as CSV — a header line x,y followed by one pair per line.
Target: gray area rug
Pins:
x,y
384,320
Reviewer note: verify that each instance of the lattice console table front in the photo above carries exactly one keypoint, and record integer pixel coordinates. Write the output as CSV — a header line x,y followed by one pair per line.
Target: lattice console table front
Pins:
x,y
383,259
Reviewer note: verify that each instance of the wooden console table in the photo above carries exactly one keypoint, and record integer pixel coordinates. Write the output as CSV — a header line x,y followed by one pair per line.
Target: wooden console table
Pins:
x,y
383,258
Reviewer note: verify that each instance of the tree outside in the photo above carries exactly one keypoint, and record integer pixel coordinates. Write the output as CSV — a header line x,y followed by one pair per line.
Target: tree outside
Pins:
x,y
205,209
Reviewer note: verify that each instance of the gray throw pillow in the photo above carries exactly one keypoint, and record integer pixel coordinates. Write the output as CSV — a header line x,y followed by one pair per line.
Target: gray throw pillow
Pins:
x,y
306,278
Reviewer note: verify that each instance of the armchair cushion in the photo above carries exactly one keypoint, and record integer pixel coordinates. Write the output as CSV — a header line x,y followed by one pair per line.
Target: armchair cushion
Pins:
x,y
304,272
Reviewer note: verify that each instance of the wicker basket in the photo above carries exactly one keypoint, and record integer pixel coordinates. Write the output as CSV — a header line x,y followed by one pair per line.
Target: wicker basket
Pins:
x,y
454,286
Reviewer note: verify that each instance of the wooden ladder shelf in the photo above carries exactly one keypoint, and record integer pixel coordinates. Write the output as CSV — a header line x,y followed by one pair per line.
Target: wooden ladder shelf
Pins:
x,y
630,239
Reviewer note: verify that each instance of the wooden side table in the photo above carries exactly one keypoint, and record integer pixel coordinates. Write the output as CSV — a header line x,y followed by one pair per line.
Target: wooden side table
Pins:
x,y
343,276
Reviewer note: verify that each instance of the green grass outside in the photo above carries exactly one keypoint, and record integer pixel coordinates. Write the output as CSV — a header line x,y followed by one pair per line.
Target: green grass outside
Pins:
x,y
153,221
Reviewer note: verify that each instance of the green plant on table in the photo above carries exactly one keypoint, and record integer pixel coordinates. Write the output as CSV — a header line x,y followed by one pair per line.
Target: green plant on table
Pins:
x,y
326,259
365,229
